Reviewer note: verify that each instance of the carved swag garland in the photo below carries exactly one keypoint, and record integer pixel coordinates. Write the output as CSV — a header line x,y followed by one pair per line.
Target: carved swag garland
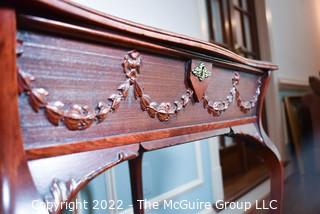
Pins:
x,y
80,117
218,107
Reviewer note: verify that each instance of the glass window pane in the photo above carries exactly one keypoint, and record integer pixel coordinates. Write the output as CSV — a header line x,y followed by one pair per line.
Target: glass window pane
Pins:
x,y
245,5
236,22
247,32
216,22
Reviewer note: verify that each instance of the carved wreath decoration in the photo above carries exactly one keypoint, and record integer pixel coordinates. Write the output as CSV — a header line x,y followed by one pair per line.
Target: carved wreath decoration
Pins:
x,y
79,117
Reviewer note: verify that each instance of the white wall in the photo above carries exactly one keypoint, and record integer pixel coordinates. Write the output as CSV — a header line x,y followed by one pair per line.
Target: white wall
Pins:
x,y
289,32
186,17
295,31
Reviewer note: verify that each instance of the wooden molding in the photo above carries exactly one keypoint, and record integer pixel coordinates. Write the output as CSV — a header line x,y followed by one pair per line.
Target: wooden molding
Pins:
x,y
292,84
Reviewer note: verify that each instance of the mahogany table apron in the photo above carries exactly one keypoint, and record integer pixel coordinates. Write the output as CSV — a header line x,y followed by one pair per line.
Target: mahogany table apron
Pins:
x,y
83,91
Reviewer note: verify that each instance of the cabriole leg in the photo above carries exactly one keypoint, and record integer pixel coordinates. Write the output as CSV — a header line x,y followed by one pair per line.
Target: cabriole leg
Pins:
x,y
268,153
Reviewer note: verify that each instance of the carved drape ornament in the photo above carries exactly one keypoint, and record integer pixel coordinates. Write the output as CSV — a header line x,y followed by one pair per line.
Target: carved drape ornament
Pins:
x,y
80,117
216,108
76,116
162,111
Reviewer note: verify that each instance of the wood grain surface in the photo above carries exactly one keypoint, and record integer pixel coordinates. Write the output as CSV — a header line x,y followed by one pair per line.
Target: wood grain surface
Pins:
x,y
76,72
